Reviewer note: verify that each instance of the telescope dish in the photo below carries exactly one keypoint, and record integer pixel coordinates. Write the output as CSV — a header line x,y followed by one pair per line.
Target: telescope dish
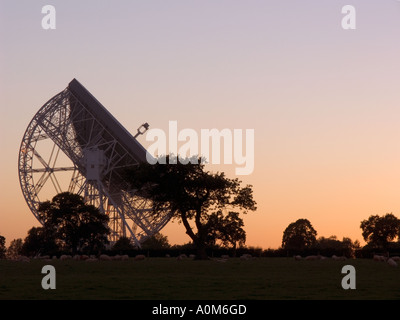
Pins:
x,y
74,144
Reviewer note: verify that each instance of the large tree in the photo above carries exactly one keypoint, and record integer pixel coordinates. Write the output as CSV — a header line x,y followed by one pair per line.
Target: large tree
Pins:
x,y
77,225
191,193
299,235
379,231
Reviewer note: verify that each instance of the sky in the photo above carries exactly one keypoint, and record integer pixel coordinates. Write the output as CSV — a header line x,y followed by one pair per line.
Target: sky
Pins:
x,y
324,102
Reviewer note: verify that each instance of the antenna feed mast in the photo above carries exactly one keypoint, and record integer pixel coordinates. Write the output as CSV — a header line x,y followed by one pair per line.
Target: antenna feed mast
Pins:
x,y
142,129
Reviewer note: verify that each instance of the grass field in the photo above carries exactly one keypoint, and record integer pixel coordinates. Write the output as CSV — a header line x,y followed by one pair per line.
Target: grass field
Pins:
x,y
170,279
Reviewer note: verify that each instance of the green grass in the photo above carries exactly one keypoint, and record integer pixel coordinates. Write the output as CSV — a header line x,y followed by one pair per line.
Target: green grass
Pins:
x,y
170,279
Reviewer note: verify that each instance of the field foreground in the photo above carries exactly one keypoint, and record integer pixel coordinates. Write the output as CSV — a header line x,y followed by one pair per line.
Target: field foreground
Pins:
x,y
171,279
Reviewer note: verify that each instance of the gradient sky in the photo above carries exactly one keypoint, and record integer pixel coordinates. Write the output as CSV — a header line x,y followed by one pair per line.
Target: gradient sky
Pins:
x,y
324,102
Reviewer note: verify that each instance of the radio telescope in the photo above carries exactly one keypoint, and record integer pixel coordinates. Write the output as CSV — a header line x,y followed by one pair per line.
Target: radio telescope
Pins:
x,y
74,144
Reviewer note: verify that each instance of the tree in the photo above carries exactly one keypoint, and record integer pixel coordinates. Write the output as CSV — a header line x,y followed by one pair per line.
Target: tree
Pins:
x,y
190,193
76,225
122,244
299,235
2,247
379,231
156,242
188,246
332,245
228,229
39,241
15,248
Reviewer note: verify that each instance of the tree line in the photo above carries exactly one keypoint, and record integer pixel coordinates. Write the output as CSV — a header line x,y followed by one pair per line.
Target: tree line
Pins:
x,y
381,234
209,205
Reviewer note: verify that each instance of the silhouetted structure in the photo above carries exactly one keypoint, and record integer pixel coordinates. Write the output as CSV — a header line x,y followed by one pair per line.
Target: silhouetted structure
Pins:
x,y
74,144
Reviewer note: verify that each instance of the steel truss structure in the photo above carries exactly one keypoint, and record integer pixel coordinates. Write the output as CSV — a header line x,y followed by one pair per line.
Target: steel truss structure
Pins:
x,y
74,144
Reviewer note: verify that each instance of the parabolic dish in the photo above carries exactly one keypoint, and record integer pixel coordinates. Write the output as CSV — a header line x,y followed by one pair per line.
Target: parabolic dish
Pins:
x,y
73,143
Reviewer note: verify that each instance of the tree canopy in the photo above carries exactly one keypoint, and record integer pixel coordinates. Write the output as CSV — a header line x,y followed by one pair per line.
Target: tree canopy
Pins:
x,y
2,247
156,242
299,235
40,240
379,231
191,194
123,244
228,229
15,248
75,225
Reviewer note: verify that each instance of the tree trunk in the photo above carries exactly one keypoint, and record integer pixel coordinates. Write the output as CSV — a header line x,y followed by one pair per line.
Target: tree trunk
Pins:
x,y
198,240
234,250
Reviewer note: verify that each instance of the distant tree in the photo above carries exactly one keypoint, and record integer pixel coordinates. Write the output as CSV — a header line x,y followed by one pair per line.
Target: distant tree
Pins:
x,y
331,242
190,193
347,242
156,242
2,247
188,246
15,248
299,235
122,244
39,241
78,225
255,251
228,229
379,231
345,247
356,244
